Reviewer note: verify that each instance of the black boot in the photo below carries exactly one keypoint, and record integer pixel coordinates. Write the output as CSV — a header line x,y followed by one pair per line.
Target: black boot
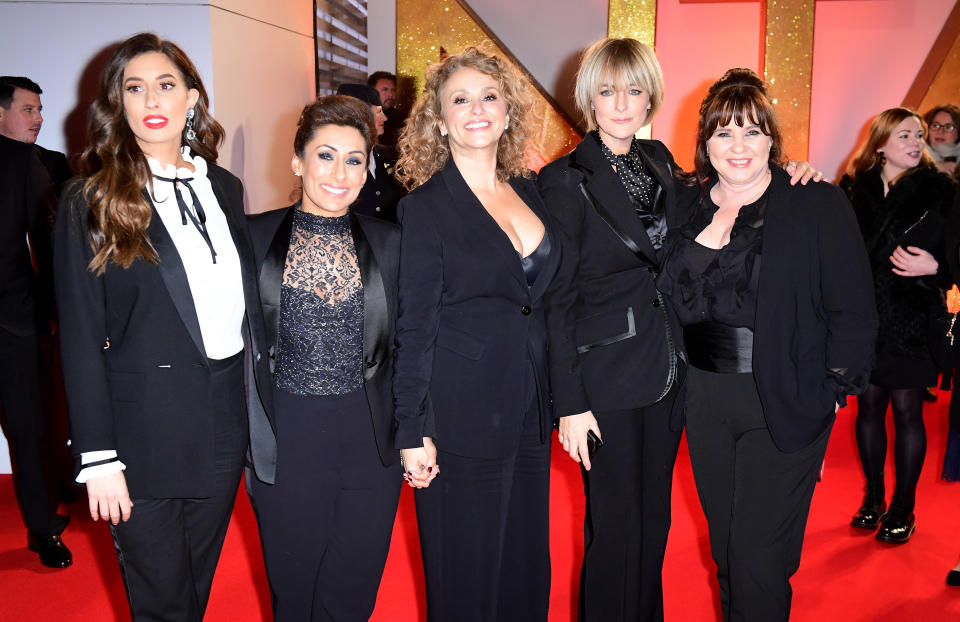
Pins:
x,y
899,523
873,508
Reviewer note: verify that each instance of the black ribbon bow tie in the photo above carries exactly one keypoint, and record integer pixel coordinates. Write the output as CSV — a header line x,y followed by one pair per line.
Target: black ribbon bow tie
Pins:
x,y
200,220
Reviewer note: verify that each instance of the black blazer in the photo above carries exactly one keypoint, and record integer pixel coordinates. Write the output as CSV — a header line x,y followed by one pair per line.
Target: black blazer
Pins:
x,y
469,326
613,346
378,249
381,193
815,309
135,370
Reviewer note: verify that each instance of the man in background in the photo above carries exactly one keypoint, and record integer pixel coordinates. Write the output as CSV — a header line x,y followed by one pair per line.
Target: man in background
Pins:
x,y
385,84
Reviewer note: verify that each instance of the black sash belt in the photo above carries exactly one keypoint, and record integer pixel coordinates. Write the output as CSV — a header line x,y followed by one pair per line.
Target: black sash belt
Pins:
x,y
719,348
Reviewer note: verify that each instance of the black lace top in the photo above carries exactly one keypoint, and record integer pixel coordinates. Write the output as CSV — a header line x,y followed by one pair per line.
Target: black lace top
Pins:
x,y
320,345
705,284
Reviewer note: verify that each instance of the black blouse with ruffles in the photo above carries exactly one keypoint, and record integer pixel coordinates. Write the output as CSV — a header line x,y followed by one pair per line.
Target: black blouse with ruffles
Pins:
x,y
714,285
320,345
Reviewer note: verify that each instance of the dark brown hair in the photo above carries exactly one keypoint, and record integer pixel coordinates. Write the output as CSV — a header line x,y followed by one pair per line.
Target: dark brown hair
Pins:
x,y
739,96
334,110
115,168
880,130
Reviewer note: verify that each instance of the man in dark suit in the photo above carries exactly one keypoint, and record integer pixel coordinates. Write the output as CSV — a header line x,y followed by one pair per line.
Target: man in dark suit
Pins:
x,y
21,119
381,192
385,84
25,305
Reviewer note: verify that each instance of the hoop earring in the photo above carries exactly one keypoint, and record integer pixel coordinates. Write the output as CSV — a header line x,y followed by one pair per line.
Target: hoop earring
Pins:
x,y
190,134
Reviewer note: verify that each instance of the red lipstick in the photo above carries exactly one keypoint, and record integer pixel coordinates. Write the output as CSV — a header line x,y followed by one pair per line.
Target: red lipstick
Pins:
x,y
155,121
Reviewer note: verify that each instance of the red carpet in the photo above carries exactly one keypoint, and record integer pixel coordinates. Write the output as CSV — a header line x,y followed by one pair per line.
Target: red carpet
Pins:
x,y
846,575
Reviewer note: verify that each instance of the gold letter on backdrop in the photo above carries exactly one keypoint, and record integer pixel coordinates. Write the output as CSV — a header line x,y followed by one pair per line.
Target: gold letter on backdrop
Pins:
x,y
636,19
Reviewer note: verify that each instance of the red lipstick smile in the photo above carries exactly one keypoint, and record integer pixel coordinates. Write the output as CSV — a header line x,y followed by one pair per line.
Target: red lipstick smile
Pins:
x,y
155,121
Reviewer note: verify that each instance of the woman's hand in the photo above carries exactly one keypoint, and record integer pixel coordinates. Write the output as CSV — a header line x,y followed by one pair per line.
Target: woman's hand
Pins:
x,y
108,498
573,436
420,464
913,262
802,172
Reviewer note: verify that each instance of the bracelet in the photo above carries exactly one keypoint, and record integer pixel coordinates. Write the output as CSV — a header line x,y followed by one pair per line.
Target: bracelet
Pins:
x,y
402,466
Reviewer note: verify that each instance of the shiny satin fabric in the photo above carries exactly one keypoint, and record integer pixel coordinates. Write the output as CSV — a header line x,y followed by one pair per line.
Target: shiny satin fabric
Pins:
x,y
718,348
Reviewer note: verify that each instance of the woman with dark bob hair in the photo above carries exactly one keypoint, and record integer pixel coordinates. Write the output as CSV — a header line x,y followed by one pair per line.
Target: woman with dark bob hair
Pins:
x,y
943,142
477,254
162,335
902,203
328,284
772,286
616,362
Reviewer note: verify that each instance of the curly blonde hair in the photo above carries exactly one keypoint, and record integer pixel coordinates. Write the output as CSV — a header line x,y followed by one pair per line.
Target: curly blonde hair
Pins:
x,y
423,151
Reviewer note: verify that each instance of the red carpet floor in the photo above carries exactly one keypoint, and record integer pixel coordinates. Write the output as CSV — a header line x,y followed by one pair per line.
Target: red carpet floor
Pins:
x,y
846,575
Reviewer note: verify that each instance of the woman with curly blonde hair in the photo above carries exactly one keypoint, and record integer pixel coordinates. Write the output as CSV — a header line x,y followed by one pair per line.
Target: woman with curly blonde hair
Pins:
x,y
470,380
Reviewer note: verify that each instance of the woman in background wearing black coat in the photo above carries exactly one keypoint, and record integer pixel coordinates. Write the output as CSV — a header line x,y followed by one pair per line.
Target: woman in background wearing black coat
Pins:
x,y
902,203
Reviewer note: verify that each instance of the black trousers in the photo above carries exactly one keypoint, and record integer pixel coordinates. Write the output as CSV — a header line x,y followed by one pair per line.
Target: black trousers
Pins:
x,y
325,525
628,514
21,400
756,498
168,550
484,533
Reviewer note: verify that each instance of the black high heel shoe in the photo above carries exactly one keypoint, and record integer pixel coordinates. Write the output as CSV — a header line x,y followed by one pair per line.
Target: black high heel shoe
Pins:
x,y
953,578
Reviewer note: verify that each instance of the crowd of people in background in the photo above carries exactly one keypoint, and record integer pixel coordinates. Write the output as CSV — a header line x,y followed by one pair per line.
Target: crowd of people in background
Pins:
x,y
428,303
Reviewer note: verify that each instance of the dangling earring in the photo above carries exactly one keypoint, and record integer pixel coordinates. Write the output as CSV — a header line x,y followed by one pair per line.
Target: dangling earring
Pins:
x,y
190,133
443,132
506,126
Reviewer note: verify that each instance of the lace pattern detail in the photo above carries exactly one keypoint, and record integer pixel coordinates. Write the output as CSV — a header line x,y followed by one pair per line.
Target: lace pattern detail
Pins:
x,y
320,349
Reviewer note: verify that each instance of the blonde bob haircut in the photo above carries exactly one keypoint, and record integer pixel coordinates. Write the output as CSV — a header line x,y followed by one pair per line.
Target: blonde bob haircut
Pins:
x,y
423,151
621,61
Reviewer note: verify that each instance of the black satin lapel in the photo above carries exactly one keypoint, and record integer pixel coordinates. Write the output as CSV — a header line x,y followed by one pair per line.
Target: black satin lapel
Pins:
x,y
607,188
376,321
175,278
271,281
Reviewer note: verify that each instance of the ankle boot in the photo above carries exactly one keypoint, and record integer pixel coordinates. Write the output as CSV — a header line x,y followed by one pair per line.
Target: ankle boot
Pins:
x,y
899,523
873,508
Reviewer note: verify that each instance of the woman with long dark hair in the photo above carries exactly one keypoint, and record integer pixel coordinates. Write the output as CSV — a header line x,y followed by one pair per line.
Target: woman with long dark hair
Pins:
x,y
902,203
161,331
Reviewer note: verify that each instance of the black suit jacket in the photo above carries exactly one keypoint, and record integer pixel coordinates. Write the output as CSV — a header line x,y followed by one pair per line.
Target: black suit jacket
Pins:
x,y
381,193
26,200
815,309
468,325
377,245
57,166
135,370
612,344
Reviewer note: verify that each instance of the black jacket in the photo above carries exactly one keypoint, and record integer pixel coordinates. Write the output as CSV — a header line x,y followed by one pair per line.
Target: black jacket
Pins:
x,y
135,369
613,346
469,326
381,192
377,245
914,212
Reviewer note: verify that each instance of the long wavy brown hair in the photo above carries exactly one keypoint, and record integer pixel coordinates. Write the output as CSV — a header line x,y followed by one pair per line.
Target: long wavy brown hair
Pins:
x,y
115,168
880,130
423,151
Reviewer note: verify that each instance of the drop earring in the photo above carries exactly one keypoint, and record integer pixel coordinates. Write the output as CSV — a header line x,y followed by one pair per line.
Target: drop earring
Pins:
x,y
190,134
443,132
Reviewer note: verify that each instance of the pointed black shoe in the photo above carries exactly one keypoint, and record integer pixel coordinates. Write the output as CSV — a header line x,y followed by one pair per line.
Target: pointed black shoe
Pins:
x,y
873,508
51,549
953,578
899,524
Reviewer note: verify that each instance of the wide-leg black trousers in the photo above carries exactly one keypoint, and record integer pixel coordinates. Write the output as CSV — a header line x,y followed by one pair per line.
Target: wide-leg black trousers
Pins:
x,y
756,498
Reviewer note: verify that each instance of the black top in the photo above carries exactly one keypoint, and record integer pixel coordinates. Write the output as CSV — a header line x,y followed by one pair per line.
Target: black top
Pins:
x,y
320,344
705,284
535,261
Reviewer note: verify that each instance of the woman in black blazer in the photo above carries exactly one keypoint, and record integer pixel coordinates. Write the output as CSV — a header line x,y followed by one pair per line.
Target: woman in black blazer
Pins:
x,y
772,285
161,330
328,281
477,254
902,202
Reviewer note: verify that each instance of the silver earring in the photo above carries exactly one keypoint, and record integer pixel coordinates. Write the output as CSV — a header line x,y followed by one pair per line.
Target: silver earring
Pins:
x,y
443,132
506,126
297,173
190,133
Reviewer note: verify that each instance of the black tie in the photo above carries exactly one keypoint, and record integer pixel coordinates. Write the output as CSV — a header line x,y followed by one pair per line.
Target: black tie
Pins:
x,y
200,220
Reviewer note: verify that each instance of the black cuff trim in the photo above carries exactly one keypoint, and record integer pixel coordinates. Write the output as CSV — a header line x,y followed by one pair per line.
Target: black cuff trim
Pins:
x,y
99,462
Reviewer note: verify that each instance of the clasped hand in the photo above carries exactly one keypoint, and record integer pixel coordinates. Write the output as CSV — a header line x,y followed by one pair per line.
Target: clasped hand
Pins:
x,y
420,464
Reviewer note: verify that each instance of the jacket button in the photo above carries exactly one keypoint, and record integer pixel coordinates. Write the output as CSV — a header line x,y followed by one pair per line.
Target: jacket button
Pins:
x,y
655,303
525,309
378,193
